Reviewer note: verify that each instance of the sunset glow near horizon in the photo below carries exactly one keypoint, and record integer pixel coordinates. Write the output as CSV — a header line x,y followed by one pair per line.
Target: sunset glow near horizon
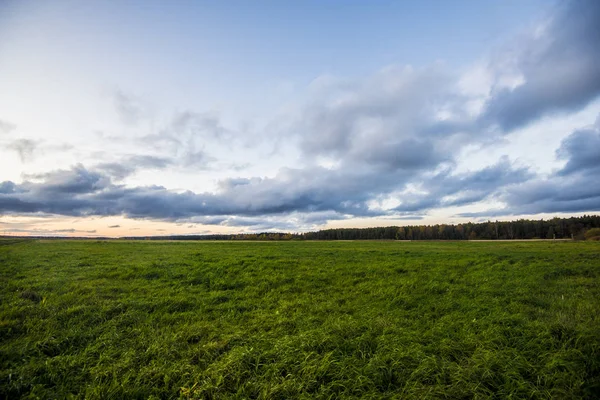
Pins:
x,y
136,118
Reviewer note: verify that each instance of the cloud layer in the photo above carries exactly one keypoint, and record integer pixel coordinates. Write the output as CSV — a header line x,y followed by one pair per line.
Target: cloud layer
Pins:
x,y
384,145
559,66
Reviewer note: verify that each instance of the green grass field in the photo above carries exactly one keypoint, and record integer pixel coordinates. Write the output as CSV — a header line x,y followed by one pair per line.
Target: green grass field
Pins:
x,y
310,320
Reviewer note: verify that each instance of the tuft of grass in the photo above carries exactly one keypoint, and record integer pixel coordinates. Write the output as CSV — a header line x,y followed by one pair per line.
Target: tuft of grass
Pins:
x,y
299,320
31,295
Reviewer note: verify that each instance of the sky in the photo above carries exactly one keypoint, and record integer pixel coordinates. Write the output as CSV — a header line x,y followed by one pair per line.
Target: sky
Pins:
x,y
131,118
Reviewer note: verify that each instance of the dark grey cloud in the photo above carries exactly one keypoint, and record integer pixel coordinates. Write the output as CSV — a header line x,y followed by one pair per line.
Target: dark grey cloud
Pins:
x,y
25,148
6,127
380,133
582,151
382,118
446,189
560,67
7,187
320,218
296,197
407,154
77,181
130,164
82,192
554,195
574,188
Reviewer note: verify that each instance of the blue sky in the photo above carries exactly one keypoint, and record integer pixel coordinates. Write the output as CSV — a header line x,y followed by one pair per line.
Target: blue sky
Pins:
x,y
131,117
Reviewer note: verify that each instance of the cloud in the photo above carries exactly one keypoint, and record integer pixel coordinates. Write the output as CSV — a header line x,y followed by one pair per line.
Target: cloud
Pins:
x,y
204,220
278,223
410,218
320,218
582,151
196,159
6,127
82,192
284,221
573,188
313,195
77,181
186,130
393,137
190,123
132,163
407,154
553,195
185,137
559,66
7,187
73,231
24,147
306,197
445,189
129,108
385,118
46,232
29,150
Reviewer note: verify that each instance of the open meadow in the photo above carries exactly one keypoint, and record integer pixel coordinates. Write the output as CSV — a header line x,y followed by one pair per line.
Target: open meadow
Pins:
x,y
310,320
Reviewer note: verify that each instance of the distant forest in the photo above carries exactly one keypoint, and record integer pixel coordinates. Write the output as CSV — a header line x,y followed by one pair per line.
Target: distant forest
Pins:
x,y
556,228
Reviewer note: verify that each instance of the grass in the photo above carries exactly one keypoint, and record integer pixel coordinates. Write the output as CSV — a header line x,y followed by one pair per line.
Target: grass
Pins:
x,y
285,320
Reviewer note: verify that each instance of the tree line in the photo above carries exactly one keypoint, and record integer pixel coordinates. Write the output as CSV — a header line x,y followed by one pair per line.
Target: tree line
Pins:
x,y
555,228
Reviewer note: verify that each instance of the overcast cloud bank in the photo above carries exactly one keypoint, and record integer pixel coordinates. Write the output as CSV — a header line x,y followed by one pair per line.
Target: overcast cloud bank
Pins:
x,y
384,145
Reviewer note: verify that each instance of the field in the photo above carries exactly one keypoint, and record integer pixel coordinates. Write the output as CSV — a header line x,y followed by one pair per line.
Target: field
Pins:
x,y
309,320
